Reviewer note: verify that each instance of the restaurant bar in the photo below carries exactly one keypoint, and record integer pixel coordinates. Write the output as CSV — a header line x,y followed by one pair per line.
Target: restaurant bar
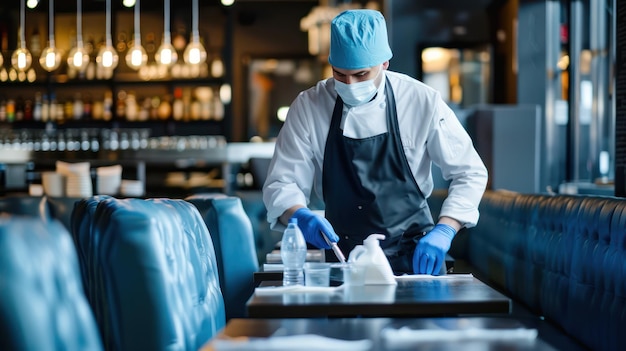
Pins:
x,y
312,175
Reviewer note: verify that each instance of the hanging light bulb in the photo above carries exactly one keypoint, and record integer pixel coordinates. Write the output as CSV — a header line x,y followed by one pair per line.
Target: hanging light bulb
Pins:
x,y
217,68
32,3
166,54
78,57
136,57
195,53
21,58
107,56
226,93
50,58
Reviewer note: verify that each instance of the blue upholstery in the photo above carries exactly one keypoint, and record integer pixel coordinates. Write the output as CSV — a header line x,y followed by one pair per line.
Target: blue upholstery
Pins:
x,y
233,239
35,206
40,206
265,239
563,256
61,208
42,306
87,241
151,273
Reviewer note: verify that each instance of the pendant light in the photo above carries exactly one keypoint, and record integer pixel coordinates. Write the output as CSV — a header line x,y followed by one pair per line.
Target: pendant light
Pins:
x,y
50,58
21,58
195,53
136,57
166,54
78,58
107,56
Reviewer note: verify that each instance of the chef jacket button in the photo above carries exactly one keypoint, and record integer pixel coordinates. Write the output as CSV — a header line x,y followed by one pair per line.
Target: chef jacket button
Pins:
x,y
382,105
360,207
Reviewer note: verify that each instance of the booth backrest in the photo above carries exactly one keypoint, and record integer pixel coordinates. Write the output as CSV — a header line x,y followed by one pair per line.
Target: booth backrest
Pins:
x,y
42,305
87,241
563,256
156,276
233,239
40,206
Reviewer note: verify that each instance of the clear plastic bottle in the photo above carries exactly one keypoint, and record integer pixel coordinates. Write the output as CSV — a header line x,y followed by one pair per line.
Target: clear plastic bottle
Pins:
x,y
293,254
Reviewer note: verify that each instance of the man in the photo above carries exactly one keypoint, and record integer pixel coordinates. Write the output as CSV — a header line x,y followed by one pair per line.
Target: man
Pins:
x,y
364,140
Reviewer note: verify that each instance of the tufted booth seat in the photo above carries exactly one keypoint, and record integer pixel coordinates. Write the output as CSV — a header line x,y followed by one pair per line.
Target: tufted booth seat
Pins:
x,y
42,305
87,242
152,274
40,206
561,256
233,239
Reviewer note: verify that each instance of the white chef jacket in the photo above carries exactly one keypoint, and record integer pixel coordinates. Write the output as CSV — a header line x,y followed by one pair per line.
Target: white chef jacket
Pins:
x,y
430,133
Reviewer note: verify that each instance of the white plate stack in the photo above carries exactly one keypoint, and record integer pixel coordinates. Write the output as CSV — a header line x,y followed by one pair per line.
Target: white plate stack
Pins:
x,y
132,188
53,184
109,180
78,178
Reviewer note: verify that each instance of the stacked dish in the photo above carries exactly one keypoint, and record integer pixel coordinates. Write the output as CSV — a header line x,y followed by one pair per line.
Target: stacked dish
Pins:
x,y
78,178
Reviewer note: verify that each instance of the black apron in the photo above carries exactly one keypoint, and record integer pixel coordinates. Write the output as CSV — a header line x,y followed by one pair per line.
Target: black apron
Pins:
x,y
368,188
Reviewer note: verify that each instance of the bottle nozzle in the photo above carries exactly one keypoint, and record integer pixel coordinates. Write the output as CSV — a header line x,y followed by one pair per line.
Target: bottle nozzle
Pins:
x,y
374,239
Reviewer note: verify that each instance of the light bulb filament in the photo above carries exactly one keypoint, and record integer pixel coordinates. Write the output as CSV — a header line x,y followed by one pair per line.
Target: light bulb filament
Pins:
x,y
136,57
50,59
107,59
78,59
21,60
194,56
166,56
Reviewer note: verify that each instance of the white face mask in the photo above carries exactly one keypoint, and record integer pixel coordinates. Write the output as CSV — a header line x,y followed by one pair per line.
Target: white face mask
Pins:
x,y
356,94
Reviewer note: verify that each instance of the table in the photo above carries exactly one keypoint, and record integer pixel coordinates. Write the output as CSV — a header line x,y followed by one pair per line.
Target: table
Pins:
x,y
277,274
377,330
451,295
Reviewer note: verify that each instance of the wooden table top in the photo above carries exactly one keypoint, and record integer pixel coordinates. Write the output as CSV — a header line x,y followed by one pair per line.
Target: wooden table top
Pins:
x,y
248,331
450,295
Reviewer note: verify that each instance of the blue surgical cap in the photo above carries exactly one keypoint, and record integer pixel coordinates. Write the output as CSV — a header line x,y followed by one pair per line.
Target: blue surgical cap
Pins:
x,y
358,39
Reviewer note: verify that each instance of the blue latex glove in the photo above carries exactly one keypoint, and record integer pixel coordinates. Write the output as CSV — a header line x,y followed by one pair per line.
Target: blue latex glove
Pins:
x,y
430,251
312,225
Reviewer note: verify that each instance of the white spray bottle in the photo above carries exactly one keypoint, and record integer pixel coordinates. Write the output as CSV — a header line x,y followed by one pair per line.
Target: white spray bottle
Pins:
x,y
372,259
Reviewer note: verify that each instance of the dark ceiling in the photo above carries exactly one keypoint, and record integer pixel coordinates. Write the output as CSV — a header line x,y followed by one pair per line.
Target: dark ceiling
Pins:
x,y
99,5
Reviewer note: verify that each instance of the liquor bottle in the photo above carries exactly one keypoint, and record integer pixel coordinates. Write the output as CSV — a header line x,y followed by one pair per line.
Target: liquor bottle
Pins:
x,y
120,109
77,107
28,110
107,106
3,110
131,107
10,110
165,108
38,108
178,107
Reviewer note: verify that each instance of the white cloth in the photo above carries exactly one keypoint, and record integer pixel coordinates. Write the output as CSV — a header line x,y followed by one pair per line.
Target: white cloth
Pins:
x,y
430,132
408,277
405,337
295,289
308,342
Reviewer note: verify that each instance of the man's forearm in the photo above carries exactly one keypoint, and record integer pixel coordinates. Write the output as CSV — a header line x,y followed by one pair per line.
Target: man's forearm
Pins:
x,y
451,222
284,218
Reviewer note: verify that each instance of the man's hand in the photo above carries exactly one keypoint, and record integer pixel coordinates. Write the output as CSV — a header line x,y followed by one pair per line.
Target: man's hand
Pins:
x,y
430,251
312,227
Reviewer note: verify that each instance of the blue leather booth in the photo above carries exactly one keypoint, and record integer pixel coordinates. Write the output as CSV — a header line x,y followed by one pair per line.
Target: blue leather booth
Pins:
x,y
233,239
87,241
152,276
42,305
40,206
561,256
